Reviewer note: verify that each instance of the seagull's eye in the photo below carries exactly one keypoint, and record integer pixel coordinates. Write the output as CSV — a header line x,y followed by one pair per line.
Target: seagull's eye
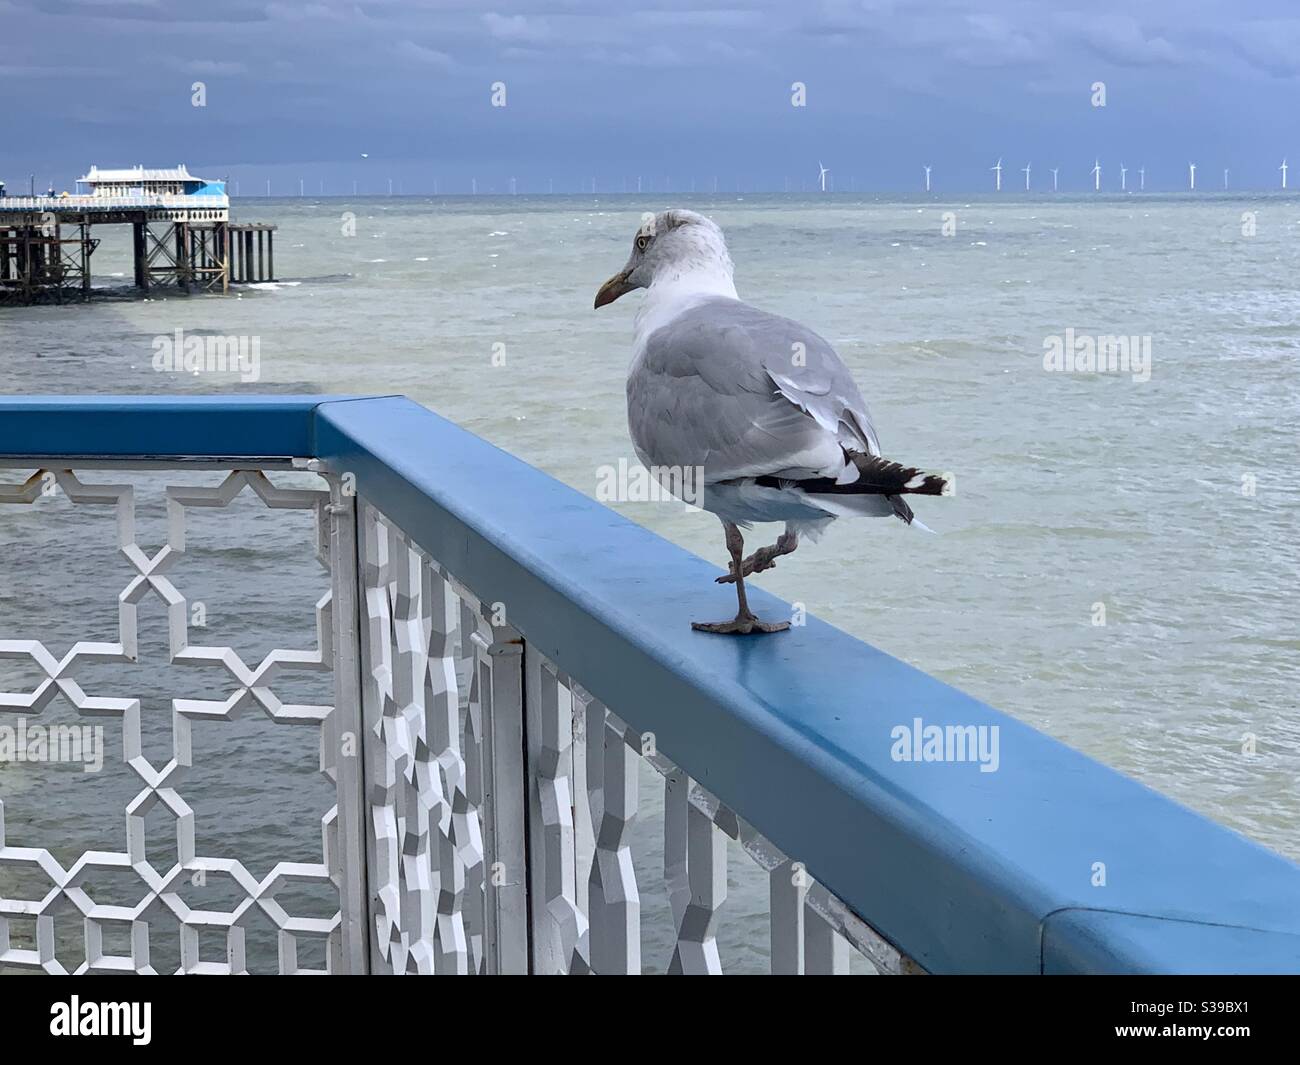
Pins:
x,y
642,242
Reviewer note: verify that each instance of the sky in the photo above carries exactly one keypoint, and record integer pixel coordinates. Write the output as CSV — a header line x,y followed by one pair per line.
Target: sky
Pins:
x,y
669,91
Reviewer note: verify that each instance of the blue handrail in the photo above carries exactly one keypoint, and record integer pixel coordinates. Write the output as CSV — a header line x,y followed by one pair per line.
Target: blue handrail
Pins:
x,y
966,871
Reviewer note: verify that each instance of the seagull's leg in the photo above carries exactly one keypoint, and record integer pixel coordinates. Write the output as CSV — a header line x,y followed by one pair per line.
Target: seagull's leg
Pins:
x,y
745,622
765,557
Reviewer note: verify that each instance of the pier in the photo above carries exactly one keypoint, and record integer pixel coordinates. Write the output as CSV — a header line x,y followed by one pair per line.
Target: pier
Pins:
x,y
510,661
182,237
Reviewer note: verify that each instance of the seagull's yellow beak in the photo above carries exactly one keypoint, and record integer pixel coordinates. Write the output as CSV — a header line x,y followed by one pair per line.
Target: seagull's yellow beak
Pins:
x,y
613,288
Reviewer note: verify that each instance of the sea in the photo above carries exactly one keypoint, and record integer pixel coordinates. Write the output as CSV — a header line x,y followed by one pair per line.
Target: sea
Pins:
x,y
1119,565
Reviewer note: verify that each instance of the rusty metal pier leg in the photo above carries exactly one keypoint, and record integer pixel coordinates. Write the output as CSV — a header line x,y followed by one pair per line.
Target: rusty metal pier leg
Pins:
x,y
222,237
184,263
141,250
86,249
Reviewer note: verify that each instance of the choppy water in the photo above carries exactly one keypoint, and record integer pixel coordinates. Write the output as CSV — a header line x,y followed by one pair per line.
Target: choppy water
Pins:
x,y
1072,489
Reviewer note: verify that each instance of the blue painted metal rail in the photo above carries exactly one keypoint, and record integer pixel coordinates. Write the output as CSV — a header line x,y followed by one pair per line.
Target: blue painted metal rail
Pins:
x,y
965,871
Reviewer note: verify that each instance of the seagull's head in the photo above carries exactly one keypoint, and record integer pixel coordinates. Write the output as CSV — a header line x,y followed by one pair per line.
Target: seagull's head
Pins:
x,y
668,246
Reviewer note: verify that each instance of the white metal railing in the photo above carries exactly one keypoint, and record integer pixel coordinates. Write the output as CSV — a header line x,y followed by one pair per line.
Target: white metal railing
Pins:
x,y
484,802
426,791
161,892
448,785
104,203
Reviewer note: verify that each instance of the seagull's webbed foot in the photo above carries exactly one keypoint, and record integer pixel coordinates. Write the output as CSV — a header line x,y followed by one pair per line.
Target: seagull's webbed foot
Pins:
x,y
764,558
740,625
745,623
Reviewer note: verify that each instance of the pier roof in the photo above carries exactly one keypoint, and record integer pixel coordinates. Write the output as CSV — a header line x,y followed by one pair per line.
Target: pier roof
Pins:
x,y
138,173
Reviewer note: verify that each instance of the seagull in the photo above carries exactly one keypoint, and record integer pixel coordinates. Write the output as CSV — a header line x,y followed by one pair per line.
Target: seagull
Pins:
x,y
759,405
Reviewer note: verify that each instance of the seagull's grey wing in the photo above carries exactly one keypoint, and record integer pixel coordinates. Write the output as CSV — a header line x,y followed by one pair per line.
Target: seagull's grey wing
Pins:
x,y
744,393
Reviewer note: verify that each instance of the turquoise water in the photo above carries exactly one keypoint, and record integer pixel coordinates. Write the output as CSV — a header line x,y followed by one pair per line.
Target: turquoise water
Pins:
x,y
1073,489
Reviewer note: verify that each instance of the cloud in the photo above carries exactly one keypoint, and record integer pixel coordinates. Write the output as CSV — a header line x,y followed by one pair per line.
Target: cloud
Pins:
x,y
1268,46
654,56
516,29
1121,39
229,11
430,56
208,66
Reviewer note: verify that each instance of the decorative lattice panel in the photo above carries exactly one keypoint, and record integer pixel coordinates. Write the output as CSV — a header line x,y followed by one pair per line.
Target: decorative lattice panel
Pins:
x,y
242,686
433,673
489,814
423,774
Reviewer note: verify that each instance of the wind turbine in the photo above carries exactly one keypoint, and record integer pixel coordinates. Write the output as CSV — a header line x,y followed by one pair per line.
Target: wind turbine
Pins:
x,y
1055,170
1123,178
1283,169
1225,177
1142,179
1191,177
821,175
927,180
1026,168
1096,175
997,170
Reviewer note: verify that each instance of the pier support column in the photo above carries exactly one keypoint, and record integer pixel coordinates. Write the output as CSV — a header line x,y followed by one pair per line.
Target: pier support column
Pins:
x,y
86,248
184,263
27,265
54,259
141,245
223,250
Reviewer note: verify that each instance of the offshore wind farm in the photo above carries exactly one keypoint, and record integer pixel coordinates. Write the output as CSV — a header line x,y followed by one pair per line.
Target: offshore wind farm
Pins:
x,y
931,179
819,178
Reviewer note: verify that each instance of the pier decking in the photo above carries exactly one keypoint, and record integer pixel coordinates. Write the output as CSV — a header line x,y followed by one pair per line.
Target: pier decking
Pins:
x,y
184,242
487,828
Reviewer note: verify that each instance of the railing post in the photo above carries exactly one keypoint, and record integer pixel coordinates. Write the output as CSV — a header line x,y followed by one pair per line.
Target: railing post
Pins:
x,y
613,900
345,732
499,659
559,927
